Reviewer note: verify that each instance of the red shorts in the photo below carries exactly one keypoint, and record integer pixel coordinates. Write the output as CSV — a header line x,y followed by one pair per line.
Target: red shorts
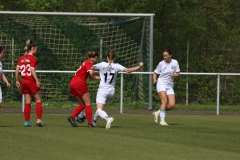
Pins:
x,y
78,88
29,87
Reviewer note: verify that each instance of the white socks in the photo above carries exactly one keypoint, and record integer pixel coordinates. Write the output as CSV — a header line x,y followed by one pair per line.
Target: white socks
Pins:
x,y
101,113
162,115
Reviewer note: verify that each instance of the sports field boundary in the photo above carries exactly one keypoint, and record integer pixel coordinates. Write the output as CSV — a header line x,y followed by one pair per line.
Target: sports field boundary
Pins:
x,y
9,110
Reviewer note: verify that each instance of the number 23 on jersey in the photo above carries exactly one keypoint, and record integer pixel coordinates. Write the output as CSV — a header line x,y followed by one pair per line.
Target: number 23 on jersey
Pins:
x,y
25,70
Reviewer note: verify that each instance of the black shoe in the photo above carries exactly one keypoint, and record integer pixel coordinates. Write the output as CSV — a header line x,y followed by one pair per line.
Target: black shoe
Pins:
x,y
91,125
72,121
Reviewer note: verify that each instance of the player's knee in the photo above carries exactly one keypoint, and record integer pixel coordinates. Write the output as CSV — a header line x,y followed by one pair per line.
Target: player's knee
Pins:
x,y
170,106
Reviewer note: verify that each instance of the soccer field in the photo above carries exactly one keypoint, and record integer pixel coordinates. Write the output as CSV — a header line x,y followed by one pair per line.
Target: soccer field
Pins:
x,y
132,136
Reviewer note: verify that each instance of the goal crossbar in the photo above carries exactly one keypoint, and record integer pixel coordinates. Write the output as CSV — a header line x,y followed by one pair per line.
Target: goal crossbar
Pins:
x,y
80,14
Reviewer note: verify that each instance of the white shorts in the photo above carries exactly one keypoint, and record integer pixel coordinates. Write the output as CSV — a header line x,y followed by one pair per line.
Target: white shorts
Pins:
x,y
104,96
163,87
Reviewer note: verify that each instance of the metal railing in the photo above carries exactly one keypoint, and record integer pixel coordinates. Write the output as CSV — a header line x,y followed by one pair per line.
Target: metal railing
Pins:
x,y
150,77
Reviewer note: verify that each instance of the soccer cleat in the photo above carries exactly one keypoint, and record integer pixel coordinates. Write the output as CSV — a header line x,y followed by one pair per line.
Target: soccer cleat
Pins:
x,y
109,121
91,126
27,124
72,121
156,116
94,123
163,123
39,123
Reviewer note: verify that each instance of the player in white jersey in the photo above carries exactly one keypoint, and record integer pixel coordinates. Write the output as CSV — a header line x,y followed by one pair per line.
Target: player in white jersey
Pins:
x,y
2,75
108,72
167,70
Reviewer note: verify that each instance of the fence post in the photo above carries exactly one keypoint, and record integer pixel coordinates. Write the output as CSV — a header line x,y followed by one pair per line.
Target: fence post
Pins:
x,y
218,92
23,103
121,94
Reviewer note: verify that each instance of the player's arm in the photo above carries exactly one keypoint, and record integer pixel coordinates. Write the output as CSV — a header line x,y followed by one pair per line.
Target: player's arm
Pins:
x,y
33,72
176,74
17,77
5,80
128,70
154,78
93,75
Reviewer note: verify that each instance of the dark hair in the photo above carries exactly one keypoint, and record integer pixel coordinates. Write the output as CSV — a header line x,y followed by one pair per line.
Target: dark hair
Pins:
x,y
92,53
1,49
111,55
168,50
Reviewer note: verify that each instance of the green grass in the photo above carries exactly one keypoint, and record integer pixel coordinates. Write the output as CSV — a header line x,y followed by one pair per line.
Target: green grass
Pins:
x,y
133,137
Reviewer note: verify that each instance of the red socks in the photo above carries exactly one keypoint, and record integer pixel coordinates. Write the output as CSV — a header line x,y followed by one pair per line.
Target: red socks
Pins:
x,y
39,110
27,110
88,111
77,110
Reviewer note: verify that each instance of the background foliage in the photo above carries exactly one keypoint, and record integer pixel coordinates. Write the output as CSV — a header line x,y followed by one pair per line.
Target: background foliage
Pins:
x,y
211,28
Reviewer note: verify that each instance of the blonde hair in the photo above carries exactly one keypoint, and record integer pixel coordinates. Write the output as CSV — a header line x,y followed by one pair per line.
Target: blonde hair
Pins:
x,y
28,47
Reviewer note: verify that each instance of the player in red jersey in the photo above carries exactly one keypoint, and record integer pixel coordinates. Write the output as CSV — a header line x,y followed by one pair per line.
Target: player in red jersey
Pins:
x,y
27,65
79,89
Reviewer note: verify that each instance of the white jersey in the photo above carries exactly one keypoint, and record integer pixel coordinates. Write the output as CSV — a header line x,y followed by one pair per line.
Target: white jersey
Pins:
x,y
164,69
108,73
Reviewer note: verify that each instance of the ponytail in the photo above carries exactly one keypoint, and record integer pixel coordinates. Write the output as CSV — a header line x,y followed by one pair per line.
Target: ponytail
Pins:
x,y
111,56
26,47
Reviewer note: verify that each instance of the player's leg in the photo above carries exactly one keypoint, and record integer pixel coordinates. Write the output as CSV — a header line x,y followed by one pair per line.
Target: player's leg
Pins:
x,y
171,102
163,96
100,112
76,92
101,101
103,115
161,90
36,92
76,111
171,98
102,97
95,118
98,100
110,96
27,110
27,107
88,108
39,108
79,108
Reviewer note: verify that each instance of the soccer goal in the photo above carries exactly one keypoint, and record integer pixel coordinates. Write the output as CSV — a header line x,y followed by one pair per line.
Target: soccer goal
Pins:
x,y
63,41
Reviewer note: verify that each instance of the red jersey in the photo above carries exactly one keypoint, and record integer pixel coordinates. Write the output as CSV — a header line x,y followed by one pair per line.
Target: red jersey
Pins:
x,y
25,63
78,84
82,71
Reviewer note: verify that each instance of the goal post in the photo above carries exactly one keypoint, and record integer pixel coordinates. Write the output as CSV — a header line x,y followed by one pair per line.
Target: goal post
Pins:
x,y
63,40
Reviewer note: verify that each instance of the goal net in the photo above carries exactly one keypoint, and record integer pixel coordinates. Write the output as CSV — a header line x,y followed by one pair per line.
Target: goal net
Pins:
x,y
63,42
